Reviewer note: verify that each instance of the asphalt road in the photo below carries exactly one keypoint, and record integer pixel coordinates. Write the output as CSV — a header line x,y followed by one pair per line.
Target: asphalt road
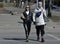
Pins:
x,y
12,31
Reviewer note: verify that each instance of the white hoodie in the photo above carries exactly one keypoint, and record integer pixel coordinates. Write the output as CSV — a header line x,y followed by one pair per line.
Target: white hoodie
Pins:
x,y
39,20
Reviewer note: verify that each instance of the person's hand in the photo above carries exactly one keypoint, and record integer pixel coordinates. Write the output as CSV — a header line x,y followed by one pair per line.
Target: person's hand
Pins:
x,y
22,18
45,24
34,23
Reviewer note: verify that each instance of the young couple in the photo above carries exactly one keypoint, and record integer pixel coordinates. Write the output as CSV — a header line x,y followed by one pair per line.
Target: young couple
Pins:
x,y
38,20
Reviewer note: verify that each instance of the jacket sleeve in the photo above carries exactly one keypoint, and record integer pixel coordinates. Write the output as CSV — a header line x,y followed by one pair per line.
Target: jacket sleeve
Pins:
x,y
34,16
22,16
44,12
46,18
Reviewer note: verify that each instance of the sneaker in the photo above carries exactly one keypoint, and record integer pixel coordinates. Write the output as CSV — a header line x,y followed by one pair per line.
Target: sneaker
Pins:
x,y
42,40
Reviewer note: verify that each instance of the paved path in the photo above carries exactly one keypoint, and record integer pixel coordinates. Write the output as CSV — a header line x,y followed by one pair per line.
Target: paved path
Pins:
x,y
12,32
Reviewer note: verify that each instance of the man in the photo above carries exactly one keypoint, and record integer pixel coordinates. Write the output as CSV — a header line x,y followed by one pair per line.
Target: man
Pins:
x,y
39,21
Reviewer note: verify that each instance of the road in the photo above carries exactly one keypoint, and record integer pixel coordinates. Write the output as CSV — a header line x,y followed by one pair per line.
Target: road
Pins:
x,y
12,31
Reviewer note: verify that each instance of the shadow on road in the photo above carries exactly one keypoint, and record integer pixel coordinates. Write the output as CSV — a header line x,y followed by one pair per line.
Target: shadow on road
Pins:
x,y
18,39
14,39
20,22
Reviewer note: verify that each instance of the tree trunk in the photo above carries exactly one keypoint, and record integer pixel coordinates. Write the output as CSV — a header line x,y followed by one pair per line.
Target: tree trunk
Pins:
x,y
49,8
17,3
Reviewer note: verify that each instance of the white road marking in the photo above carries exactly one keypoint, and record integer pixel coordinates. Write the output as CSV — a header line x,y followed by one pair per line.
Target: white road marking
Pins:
x,y
50,40
7,40
57,38
5,14
49,27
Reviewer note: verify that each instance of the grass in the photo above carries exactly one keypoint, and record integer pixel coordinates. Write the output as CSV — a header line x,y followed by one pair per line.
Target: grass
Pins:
x,y
55,18
1,4
10,4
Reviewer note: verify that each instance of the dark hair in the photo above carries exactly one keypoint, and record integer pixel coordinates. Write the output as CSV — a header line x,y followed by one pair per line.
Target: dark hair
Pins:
x,y
29,9
26,8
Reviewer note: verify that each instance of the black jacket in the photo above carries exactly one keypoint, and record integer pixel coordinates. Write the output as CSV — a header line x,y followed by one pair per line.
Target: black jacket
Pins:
x,y
28,18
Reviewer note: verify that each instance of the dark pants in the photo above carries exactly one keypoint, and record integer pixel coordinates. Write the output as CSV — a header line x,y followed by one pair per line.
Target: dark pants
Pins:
x,y
40,29
27,27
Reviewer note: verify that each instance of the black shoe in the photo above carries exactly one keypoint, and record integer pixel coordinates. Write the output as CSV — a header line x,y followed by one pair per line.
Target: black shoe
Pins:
x,y
42,40
27,40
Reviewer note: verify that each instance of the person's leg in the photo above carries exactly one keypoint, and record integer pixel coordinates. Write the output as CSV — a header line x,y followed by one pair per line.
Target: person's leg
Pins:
x,y
37,32
42,33
28,29
25,29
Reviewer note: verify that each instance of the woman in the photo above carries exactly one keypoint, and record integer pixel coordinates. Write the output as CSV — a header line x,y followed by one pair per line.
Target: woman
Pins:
x,y
27,20
39,21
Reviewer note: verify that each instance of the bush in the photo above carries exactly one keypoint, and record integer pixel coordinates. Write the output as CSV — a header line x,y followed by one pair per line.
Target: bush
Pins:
x,y
1,4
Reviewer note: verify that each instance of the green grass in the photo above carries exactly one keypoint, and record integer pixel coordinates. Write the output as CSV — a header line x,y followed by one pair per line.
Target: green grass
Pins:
x,y
10,4
55,18
1,4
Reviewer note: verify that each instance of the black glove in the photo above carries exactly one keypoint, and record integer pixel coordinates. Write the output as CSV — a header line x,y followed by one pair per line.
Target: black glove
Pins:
x,y
34,23
22,18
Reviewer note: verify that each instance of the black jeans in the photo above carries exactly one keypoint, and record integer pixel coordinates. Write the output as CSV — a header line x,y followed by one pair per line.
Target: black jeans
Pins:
x,y
40,29
27,27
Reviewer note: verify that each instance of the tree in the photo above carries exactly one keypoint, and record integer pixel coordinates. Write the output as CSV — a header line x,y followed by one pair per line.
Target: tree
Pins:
x,y
17,3
49,8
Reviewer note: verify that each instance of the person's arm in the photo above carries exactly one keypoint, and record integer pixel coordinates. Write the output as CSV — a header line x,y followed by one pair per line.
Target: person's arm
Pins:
x,y
46,18
22,16
44,12
34,17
